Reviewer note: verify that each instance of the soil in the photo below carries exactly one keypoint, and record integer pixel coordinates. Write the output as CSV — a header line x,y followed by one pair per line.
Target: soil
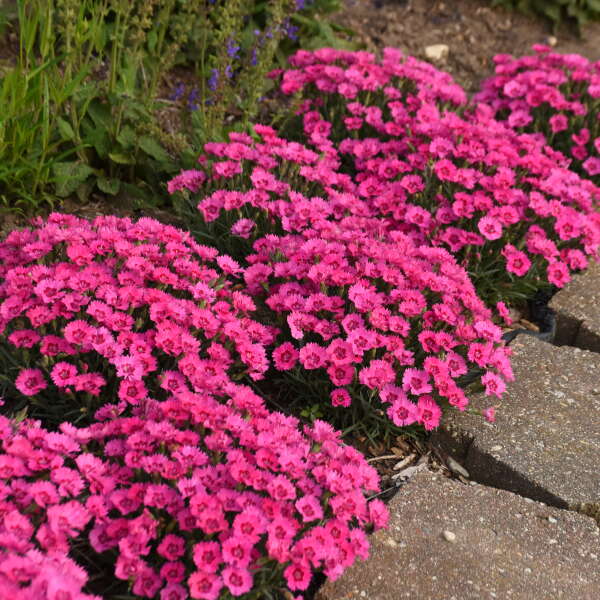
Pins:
x,y
473,31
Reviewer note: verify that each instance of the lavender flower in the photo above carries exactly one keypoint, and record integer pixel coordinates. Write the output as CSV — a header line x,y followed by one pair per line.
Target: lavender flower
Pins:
x,y
192,105
178,92
233,49
213,80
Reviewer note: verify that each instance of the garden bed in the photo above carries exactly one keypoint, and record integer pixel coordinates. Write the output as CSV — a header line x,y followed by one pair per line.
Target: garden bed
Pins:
x,y
211,395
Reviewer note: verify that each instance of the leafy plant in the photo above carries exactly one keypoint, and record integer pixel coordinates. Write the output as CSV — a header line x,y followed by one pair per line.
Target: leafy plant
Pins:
x,y
86,106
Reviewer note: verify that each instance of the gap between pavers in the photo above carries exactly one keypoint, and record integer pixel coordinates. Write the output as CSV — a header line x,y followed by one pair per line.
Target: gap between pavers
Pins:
x,y
545,443
450,541
577,308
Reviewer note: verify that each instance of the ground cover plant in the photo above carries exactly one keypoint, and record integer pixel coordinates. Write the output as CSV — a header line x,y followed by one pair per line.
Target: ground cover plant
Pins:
x,y
115,309
177,404
468,183
191,497
121,354
552,94
385,325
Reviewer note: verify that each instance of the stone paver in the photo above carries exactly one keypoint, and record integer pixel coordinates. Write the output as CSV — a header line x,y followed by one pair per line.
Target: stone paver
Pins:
x,y
501,546
545,443
577,308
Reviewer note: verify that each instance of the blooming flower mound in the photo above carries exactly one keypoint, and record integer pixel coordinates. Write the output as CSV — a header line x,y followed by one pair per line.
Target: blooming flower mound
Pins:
x,y
122,311
469,184
555,95
380,321
350,245
205,498
484,192
359,76
41,511
270,185
356,247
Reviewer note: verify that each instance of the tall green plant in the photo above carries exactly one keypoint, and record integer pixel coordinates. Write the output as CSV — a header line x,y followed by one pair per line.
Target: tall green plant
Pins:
x,y
79,106
84,105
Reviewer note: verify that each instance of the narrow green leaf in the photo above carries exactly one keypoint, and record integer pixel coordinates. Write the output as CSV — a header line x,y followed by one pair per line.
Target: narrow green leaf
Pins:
x,y
65,129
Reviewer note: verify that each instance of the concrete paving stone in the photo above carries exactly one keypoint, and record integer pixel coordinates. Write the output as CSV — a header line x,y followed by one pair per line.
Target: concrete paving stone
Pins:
x,y
545,442
451,541
577,308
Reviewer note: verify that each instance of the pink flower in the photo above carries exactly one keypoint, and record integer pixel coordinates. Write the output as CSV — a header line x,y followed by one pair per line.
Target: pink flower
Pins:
x,y
340,397
558,123
237,581
78,332
403,412
205,586
313,356
378,374
489,414
132,391
416,381
340,352
24,338
378,513
310,508
516,261
63,374
428,412
285,356
129,367
592,166
341,374
173,591
297,576
243,228
558,274
207,556
490,228
30,382
172,547
493,384
504,313
281,488
191,180
236,551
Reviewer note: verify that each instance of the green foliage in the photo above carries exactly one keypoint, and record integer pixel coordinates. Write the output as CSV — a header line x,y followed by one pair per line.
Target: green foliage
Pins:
x,y
86,102
246,40
79,104
557,11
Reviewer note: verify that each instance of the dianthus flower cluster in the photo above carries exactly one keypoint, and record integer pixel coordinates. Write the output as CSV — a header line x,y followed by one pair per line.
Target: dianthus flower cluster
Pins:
x,y
552,94
200,490
270,185
399,79
41,512
204,497
380,318
469,184
200,497
367,232
121,312
347,261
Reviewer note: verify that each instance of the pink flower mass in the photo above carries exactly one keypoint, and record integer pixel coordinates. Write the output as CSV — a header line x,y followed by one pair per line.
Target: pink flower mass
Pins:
x,y
368,258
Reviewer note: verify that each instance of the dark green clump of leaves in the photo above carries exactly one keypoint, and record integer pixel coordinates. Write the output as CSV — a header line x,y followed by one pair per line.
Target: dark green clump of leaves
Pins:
x,y
578,12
